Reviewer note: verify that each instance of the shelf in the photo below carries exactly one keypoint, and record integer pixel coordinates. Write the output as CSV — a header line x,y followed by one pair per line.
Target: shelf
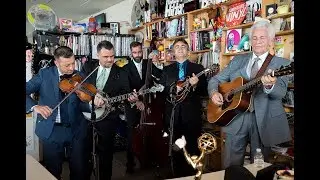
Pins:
x,y
136,28
236,53
287,32
285,15
203,29
176,37
290,85
174,17
200,51
241,26
288,106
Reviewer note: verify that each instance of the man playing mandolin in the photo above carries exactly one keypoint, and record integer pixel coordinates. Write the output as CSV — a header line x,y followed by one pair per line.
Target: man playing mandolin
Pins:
x,y
187,113
263,123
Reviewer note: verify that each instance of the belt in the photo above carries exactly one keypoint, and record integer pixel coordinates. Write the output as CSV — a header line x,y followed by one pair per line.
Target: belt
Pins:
x,y
63,124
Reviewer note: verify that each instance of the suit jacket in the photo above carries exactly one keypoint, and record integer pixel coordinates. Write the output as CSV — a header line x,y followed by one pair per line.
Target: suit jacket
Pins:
x,y
190,108
135,81
270,115
46,82
117,83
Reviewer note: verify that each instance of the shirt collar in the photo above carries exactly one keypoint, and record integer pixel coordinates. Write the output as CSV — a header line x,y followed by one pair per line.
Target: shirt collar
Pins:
x,y
262,57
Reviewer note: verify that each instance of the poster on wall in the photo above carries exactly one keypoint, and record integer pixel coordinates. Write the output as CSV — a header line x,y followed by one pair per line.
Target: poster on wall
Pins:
x,y
232,40
174,8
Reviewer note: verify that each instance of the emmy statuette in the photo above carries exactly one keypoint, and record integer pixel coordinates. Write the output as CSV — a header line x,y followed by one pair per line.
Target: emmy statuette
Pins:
x,y
206,143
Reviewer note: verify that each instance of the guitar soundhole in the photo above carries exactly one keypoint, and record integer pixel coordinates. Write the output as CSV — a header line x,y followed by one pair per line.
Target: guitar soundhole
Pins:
x,y
225,105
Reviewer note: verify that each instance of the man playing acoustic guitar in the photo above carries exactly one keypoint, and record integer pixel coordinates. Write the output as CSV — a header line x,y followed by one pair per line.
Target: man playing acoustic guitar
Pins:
x,y
263,123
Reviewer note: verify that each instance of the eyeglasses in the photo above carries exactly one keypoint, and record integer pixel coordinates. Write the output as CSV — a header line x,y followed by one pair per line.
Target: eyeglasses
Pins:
x,y
180,47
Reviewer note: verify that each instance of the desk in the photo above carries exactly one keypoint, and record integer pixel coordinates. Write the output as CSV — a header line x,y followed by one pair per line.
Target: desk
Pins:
x,y
35,171
219,175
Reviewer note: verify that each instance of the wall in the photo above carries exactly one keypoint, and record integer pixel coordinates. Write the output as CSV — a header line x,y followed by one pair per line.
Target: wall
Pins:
x,y
120,12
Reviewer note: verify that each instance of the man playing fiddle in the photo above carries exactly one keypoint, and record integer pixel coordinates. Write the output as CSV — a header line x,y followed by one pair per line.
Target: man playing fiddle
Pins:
x,y
63,129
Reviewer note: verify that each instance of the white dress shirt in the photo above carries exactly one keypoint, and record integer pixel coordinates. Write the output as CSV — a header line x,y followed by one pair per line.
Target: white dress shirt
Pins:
x,y
260,62
58,118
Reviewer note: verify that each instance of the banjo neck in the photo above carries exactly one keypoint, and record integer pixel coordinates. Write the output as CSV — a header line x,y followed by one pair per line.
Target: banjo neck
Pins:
x,y
126,96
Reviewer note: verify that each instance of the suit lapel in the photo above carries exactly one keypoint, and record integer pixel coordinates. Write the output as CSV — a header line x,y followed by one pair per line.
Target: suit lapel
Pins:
x,y
144,70
55,82
245,63
135,70
108,86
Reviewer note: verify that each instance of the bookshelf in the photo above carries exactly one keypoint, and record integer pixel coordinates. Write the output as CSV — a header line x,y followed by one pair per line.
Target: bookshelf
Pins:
x,y
225,58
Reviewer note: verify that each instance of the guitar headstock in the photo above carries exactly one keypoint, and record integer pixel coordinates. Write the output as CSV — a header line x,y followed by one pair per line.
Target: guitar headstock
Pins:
x,y
156,88
212,70
284,70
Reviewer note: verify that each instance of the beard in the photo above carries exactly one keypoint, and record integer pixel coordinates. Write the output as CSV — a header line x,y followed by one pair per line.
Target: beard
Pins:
x,y
137,59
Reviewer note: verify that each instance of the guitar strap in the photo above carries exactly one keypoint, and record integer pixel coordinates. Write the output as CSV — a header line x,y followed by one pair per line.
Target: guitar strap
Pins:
x,y
264,65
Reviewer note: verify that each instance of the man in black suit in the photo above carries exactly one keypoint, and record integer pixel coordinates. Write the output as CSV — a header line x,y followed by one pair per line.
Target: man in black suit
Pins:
x,y
112,80
137,69
187,115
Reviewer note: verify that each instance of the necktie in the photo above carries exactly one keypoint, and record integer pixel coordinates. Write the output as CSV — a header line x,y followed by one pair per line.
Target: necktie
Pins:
x,y
254,71
101,79
254,68
181,71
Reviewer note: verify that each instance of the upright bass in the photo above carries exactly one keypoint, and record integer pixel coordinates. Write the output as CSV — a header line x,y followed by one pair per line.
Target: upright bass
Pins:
x,y
149,146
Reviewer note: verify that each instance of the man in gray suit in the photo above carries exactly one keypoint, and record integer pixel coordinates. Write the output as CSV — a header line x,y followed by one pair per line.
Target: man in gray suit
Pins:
x,y
265,123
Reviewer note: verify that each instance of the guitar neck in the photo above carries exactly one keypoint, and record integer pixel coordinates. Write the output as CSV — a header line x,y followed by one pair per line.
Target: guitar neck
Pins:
x,y
126,96
248,85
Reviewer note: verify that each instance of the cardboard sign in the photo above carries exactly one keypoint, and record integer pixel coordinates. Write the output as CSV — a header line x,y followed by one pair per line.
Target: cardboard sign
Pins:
x,y
174,7
236,14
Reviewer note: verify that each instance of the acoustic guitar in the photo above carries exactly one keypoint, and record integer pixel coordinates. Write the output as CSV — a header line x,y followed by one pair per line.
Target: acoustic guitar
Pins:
x,y
237,96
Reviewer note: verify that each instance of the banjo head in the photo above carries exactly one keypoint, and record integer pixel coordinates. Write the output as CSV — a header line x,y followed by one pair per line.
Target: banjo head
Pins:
x,y
101,112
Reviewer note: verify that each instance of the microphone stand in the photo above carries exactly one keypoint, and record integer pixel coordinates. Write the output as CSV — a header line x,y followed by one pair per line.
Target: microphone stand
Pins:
x,y
171,128
95,158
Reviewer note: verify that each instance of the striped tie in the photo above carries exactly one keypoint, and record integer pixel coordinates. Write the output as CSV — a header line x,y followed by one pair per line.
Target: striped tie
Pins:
x,y
254,71
101,79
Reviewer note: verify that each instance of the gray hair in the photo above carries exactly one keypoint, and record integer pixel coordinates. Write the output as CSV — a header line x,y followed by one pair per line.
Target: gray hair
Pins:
x,y
264,24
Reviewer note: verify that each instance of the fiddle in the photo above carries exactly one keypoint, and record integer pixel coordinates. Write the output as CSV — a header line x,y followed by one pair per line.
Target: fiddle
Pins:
x,y
75,83
84,91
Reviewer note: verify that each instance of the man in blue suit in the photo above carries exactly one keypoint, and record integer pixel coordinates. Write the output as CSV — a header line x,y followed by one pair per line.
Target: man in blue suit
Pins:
x,y
63,129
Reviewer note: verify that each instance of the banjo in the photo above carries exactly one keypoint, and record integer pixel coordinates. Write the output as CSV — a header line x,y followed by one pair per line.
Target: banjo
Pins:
x,y
102,112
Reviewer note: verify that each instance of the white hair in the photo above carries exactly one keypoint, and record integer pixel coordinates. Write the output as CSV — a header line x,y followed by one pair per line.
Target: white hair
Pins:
x,y
263,24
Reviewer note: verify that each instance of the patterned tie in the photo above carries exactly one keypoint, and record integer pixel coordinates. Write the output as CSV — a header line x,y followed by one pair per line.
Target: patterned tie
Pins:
x,y
101,79
254,68
181,71
254,71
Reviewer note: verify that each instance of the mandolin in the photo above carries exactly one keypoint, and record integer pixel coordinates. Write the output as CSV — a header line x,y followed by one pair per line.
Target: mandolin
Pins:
x,y
186,86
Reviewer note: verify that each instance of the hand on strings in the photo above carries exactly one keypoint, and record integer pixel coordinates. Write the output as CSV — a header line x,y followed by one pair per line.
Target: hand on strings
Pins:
x,y
179,89
44,111
217,98
193,80
133,97
268,80
155,58
98,100
140,105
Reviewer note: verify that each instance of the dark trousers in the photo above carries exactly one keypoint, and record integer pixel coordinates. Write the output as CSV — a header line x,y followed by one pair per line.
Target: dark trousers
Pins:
x,y
54,149
106,131
181,168
133,117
